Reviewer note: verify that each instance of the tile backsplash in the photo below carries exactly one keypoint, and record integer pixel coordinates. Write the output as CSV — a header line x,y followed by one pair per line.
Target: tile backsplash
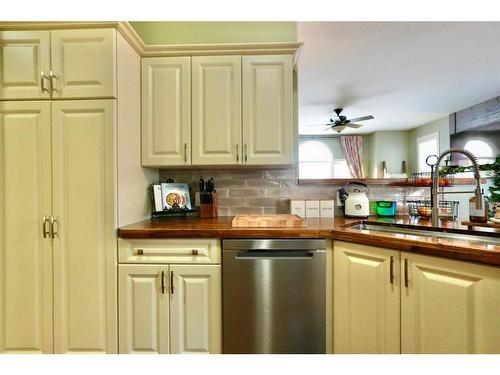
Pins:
x,y
263,191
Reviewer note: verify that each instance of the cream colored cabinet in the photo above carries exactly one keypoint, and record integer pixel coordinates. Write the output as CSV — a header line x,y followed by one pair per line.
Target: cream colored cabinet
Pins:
x,y
25,255
144,309
83,63
170,307
24,64
366,299
216,110
195,310
58,64
241,107
166,111
57,246
268,134
449,306
83,144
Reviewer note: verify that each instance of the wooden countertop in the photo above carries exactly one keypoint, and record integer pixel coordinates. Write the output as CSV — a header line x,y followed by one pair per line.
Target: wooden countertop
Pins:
x,y
337,229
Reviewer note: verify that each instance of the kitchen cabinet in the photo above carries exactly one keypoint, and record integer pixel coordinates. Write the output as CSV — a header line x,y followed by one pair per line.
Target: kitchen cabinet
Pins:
x,y
169,307
24,62
216,109
58,64
268,131
442,305
242,110
57,263
366,299
166,111
449,306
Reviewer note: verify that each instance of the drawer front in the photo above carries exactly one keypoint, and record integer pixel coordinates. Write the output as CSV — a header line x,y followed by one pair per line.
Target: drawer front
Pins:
x,y
196,250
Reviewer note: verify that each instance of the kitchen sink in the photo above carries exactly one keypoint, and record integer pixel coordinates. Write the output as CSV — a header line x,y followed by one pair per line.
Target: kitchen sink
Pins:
x,y
427,232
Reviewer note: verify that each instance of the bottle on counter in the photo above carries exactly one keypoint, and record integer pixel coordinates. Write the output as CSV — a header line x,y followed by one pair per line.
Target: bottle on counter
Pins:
x,y
475,215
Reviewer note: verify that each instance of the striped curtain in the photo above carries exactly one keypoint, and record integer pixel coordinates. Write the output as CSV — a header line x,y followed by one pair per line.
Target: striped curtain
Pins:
x,y
352,145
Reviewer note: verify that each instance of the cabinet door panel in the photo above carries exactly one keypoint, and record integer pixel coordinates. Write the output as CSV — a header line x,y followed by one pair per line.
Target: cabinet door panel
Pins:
x,y
144,315
166,111
366,303
25,256
450,307
24,55
267,109
216,109
196,309
84,204
84,63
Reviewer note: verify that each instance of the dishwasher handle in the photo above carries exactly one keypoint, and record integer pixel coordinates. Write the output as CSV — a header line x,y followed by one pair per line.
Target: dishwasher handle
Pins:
x,y
278,254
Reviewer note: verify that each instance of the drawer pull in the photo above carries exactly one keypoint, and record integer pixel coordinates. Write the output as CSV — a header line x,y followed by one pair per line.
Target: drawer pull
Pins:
x,y
140,252
194,252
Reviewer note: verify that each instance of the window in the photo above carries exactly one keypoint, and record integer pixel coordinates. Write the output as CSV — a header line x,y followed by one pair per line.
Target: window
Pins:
x,y
427,145
482,150
316,161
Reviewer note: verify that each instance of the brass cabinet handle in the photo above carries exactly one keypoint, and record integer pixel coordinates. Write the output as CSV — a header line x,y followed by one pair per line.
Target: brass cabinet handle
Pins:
x,y
54,227
172,282
406,273
162,282
391,271
140,252
237,152
43,76
194,252
246,156
185,152
46,230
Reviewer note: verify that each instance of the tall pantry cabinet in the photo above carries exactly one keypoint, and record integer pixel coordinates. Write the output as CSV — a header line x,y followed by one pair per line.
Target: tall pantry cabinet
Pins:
x,y
58,190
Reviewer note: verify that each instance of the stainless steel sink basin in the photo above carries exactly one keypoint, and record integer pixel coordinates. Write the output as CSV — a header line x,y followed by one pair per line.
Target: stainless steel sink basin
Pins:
x,y
425,232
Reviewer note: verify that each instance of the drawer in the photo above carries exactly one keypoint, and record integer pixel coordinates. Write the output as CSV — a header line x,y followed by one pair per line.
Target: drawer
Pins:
x,y
196,250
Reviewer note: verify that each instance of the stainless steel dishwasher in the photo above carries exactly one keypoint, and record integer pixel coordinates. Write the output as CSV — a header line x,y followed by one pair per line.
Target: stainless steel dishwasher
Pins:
x,y
274,296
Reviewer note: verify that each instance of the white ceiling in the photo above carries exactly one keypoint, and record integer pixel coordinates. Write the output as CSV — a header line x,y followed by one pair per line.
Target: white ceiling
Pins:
x,y
405,74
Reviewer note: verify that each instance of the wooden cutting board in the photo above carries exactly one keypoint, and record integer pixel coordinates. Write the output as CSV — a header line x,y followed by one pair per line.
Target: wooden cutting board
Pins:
x,y
268,221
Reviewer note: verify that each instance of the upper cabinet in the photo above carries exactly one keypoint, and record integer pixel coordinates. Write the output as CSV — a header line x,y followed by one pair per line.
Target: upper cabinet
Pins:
x,y
241,108
267,110
24,64
216,95
83,63
59,64
166,111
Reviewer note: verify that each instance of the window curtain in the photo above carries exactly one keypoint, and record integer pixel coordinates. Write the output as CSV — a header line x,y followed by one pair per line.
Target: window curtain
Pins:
x,y
352,145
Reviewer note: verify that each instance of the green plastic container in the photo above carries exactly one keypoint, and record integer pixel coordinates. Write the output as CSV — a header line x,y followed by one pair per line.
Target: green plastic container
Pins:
x,y
386,208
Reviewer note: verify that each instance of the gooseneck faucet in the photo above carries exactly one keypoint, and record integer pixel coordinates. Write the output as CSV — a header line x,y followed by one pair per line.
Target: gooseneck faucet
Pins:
x,y
435,182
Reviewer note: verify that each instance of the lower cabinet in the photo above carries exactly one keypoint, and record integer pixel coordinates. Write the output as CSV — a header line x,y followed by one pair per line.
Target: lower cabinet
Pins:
x,y
170,308
386,301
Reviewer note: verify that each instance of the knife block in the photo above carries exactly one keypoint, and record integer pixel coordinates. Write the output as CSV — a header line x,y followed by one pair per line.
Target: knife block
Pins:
x,y
208,205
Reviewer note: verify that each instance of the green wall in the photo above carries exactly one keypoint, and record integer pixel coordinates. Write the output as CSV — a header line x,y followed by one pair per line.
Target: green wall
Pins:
x,y
388,146
215,32
440,126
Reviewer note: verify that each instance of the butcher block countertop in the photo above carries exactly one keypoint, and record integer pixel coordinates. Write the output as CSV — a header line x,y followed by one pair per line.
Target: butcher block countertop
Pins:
x,y
337,229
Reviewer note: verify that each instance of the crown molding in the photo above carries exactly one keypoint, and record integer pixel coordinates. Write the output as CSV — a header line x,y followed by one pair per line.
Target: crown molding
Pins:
x,y
153,50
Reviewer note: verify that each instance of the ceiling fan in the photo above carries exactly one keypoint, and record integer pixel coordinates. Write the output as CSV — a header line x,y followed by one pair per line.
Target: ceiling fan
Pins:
x,y
343,122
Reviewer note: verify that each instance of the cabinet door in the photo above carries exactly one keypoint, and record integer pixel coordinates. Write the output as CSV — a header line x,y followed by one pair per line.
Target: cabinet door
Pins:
x,y
195,321
216,110
143,309
268,131
84,63
166,111
366,299
25,256
449,306
83,141
24,59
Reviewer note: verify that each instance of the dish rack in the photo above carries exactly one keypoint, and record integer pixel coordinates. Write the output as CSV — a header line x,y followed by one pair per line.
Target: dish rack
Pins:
x,y
423,209
424,179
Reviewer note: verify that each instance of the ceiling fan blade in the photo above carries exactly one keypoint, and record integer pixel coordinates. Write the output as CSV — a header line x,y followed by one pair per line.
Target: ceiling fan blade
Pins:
x,y
364,118
355,126
327,129
317,125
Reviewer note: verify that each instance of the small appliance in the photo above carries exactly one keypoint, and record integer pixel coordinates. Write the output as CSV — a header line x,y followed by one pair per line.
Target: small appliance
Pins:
x,y
385,208
356,204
